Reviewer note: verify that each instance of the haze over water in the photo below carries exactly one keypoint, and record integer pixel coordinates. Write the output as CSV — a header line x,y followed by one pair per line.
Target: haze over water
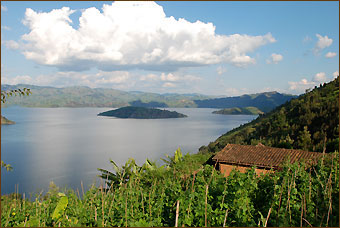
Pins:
x,y
67,145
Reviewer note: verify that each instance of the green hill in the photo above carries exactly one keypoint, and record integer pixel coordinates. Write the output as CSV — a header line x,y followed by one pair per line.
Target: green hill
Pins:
x,y
308,122
264,101
142,113
239,111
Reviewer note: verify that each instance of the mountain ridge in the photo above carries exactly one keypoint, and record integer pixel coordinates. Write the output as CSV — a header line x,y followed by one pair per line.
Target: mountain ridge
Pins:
x,y
83,96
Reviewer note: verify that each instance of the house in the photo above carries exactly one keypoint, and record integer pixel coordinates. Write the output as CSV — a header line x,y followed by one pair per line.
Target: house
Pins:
x,y
266,159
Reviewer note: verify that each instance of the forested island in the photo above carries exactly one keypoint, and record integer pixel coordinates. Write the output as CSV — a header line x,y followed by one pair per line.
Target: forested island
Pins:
x,y
131,112
239,111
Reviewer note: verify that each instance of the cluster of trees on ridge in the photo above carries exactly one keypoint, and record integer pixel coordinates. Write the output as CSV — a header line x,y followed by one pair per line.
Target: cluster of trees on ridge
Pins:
x,y
309,122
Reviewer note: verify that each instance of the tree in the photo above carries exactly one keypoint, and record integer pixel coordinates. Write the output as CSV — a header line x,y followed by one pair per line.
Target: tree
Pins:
x,y
304,139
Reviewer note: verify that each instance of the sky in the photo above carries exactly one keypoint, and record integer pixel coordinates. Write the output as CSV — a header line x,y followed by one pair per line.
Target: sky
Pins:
x,y
214,48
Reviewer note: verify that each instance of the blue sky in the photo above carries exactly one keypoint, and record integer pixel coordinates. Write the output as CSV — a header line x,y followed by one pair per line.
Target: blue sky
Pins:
x,y
214,48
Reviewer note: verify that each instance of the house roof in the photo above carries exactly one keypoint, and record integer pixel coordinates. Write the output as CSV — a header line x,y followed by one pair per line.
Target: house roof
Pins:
x,y
262,156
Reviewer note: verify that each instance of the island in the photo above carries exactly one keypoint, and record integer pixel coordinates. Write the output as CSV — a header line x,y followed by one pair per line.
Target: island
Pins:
x,y
4,120
239,111
131,112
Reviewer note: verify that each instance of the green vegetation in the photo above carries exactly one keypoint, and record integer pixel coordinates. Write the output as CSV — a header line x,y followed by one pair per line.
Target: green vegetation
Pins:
x,y
265,102
187,192
239,111
4,120
309,122
142,113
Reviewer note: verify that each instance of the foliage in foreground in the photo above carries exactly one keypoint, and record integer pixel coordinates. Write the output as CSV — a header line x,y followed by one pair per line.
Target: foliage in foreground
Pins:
x,y
186,192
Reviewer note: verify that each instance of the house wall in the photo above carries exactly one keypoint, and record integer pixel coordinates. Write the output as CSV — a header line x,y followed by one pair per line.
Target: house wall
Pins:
x,y
226,169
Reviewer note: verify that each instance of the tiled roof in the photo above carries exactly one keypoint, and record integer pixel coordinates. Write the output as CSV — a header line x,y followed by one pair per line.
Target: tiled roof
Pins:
x,y
262,156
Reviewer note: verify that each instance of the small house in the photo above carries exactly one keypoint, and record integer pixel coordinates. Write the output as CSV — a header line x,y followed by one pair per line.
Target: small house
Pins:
x,y
265,158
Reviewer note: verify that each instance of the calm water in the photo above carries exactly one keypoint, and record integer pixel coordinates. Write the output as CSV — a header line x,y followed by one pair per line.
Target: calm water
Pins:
x,y
67,145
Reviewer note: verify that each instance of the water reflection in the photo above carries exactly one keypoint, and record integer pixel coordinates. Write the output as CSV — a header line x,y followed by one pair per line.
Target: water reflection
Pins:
x,y
67,145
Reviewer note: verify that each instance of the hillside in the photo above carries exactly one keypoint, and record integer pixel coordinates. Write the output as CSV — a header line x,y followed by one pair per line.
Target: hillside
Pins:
x,y
142,113
81,96
263,101
239,111
308,122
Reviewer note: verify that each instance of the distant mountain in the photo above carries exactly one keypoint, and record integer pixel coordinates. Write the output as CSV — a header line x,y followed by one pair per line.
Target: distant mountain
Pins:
x,y
82,96
263,101
142,113
309,122
239,111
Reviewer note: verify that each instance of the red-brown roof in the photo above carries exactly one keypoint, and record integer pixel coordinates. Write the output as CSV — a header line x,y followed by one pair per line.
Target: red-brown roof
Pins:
x,y
262,156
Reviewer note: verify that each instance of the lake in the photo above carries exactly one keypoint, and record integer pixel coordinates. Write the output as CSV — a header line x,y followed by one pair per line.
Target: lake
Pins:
x,y
67,145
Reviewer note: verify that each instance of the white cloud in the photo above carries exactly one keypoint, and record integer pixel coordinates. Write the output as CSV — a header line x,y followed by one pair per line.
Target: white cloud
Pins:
x,y
275,58
11,44
4,27
320,77
304,84
131,35
20,79
330,55
323,42
168,84
3,8
149,77
335,74
103,79
301,86
220,70
115,77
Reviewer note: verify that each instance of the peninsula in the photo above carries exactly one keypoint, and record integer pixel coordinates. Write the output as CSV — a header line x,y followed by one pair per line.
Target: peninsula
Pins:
x,y
4,120
132,112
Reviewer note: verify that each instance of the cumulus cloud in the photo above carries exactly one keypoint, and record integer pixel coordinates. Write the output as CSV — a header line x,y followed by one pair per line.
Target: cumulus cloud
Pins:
x,y
323,42
275,58
320,77
220,70
103,79
127,35
168,84
304,84
20,79
335,74
3,8
330,55
11,44
301,85
116,77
